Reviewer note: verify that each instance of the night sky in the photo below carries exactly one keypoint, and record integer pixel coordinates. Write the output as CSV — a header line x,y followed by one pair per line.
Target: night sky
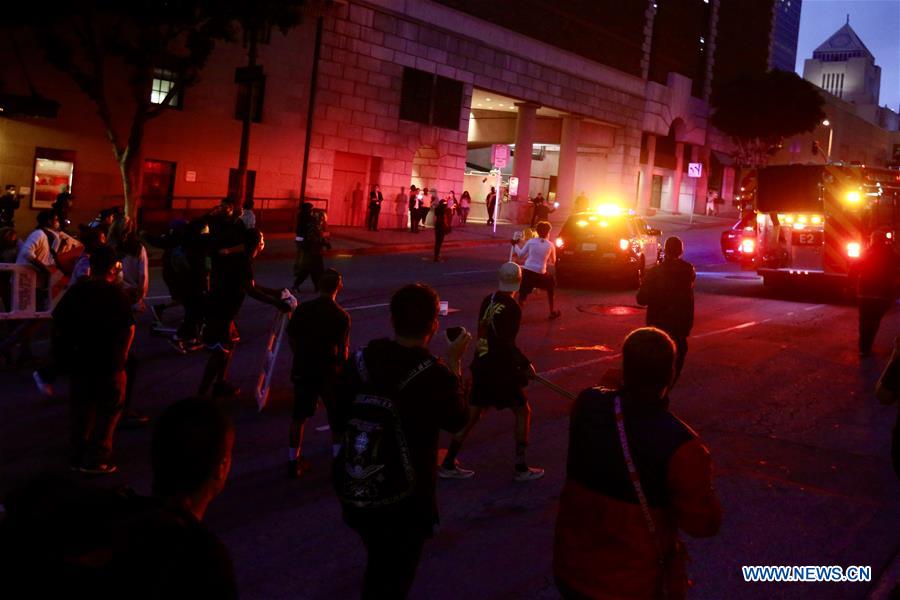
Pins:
x,y
876,22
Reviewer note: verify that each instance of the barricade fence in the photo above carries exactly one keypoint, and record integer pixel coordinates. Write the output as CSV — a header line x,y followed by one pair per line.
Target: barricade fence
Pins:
x,y
26,294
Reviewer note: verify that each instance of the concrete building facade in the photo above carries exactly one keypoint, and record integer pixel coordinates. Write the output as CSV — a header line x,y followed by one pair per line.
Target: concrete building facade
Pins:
x,y
413,92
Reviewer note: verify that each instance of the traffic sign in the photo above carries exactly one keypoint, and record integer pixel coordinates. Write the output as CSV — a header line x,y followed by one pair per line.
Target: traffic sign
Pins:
x,y
695,170
500,155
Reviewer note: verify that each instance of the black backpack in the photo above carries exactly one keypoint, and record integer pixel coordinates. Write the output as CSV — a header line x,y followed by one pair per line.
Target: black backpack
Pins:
x,y
373,468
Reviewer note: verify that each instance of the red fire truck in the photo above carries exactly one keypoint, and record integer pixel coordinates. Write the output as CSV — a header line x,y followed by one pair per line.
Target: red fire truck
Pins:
x,y
815,221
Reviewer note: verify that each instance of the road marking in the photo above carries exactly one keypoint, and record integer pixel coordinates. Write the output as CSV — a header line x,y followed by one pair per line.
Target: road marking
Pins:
x,y
584,363
470,272
367,306
734,328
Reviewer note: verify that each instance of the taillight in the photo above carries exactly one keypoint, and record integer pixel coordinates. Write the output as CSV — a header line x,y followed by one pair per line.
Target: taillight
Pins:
x,y
853,249
624,244
748,246
559,242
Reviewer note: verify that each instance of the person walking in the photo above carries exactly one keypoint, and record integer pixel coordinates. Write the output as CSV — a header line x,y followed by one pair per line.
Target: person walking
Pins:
x,y
413,209
711,202
311,242
319,335
375,200
442,218
581,202
395,399
500,373
668,293
540,261
491,203
94,328
635,475
876,288
465,204
230,283
453,208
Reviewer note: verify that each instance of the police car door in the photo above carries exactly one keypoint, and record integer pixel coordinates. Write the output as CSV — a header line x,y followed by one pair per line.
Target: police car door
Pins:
x,y
649,243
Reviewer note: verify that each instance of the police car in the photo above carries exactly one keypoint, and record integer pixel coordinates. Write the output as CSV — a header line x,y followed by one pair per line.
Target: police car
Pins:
x,y
608,241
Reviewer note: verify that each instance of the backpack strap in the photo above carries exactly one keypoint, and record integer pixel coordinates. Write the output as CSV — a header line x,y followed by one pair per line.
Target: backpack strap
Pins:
x,y
638,488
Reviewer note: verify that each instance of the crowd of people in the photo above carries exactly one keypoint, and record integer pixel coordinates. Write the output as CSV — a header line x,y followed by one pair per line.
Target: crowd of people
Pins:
x,y
635,474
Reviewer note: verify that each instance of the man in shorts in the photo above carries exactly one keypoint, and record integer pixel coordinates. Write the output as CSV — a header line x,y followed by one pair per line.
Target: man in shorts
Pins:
x,y
500,373
319,334
540,262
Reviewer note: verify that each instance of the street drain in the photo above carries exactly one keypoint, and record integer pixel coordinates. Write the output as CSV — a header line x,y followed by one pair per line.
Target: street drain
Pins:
x,y
610,310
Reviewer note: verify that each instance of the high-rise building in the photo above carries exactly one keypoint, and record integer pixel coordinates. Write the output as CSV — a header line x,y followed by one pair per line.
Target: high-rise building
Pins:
x,y
785,31
844,67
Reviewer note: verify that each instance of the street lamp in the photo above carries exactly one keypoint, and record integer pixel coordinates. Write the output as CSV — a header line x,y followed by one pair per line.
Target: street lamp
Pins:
x,y
827,124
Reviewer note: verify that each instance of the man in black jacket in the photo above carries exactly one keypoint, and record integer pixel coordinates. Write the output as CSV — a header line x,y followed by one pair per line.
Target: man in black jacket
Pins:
x,y
375,200
427,395
668,293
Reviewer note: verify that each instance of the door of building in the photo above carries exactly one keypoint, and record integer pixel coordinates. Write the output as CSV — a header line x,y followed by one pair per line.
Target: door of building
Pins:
x,y
349,185
157,185
656,191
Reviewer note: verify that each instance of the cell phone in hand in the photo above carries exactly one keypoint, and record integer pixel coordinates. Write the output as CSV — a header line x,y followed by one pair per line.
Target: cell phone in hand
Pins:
x,y
453,333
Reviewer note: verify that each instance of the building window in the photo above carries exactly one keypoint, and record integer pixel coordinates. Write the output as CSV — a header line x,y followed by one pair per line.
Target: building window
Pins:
x,y
163,82
250,96
430,100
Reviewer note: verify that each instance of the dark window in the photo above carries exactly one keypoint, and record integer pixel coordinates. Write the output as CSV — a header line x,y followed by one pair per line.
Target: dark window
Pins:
x,y
250,96
447,102
416,96
233,184
163,82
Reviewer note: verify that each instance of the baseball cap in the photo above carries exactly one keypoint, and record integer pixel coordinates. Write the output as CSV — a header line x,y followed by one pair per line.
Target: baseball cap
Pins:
x,y
509,277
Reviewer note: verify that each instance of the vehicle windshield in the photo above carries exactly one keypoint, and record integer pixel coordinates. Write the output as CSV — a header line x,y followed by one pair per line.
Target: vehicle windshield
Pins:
x,y
596,227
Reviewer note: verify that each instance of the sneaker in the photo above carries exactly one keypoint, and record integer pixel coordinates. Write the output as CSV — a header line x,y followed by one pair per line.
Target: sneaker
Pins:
x,y
133,419
178,344
298,467
98,468
457,472
529,474
46,389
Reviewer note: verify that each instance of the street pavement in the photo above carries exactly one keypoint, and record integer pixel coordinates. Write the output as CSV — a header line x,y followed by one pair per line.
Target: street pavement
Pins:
x,y
772,382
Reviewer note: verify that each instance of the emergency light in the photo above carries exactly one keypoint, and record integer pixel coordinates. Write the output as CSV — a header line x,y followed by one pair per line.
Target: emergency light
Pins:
x,y
747,246
853,197
853,249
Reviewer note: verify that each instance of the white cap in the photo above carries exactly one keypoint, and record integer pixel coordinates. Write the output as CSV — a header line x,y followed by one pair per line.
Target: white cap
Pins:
x,y
509,277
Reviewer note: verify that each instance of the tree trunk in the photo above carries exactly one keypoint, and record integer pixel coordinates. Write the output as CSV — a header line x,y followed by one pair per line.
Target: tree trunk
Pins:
x,y
131,169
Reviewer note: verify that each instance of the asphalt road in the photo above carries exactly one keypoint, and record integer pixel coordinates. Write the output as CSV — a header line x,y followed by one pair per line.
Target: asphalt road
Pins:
x,y
772,382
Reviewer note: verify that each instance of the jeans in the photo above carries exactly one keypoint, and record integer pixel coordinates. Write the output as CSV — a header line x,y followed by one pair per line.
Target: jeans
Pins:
x,y
96,402
393,556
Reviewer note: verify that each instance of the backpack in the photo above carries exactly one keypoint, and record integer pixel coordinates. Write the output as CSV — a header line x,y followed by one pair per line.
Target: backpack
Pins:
x,y
373,468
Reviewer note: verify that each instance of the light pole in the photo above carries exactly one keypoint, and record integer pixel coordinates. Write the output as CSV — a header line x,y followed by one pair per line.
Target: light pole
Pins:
x,y
827,124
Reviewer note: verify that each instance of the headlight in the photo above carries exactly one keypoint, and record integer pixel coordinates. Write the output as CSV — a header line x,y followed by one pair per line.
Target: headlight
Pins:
x,y
853,197
853,249
624,244
559,242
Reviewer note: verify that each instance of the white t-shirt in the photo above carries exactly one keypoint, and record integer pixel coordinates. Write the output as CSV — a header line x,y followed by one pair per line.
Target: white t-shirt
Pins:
x,y
539,253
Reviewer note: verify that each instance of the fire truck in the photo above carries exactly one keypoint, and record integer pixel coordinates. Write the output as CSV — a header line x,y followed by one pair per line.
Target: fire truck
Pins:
x,y
815,221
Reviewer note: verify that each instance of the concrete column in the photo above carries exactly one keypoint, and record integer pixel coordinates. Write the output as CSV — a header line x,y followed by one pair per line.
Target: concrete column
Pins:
x,y
527,114
676,180
647,176
568,155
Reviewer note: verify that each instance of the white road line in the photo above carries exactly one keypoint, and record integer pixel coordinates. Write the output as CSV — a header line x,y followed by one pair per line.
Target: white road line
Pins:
x,y
470,272
349,308
814,307
734,328
585,363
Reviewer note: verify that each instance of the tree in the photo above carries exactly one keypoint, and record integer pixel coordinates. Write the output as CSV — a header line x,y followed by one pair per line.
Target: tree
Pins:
x,y
759,111
91,40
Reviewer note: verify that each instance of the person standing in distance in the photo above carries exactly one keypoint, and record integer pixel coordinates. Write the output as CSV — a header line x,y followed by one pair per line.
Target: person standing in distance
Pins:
x,y
319,334
375,200
491,202
668,293
500,373
413,209
540,262
635,475
442,216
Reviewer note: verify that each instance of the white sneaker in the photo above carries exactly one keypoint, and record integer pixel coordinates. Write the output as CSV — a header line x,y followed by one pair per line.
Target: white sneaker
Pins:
x,y
530,474
457,472
43,387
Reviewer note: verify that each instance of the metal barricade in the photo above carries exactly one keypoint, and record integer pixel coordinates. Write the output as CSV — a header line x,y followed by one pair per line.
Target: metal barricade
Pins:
x,y
22,298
